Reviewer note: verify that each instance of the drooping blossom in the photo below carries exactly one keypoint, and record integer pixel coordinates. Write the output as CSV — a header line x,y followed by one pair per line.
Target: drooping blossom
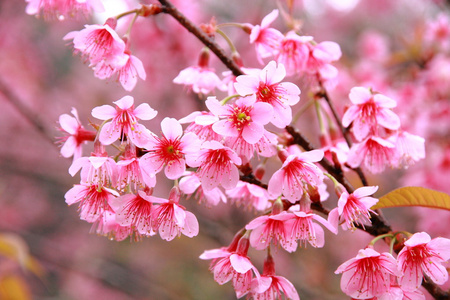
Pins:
x,y
233,264
265,38
354,208
62,9
94,200
106,225
249,196
368,274
410,148
135,210
376,154
245,118
320,57
99,43
268,88
423,255
124,121
190,185
302,228
270,286
98,169
216,166
77,135
297,171
170,219
200,78
171,150
271,229
200,123
369,110
293,52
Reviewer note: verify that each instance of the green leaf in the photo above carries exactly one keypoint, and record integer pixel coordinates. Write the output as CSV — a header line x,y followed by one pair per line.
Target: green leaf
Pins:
x,y
414,196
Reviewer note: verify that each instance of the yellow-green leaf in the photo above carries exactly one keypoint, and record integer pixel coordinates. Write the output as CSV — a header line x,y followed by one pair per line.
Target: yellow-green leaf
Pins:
x,y
414,196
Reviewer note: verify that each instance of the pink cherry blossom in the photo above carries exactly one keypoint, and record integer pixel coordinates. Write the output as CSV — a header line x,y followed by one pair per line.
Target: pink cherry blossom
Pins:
x,y
354,208
375,152
170,150
320,57
61,9
202,80
170,219
266,39
369,111
270,286
266,146
94,200
99,43
249,196
190,185
124,121
268,88
107,225
301,227
296,172
135,210
368,274
200,123
77,135
293,52
410,147
423,255
217,166
245,118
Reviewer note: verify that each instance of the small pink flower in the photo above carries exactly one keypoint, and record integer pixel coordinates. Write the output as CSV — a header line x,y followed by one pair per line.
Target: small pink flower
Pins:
x,y
171,219
217,166
249,196
245,118
124,121
270,286
411,148
107,225
94,200
202,80
77,135
266,39
190,184
170,150
99,43
421,254
355,207
320,57
375,152
296,172
268,88
61,9
293,52
201,124
368,112
368,274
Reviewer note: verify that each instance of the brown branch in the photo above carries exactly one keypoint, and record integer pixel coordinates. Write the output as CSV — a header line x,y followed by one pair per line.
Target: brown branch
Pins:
x,y
170,9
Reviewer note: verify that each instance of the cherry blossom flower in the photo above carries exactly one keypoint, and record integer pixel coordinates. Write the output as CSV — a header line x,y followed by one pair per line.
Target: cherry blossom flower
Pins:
x,y
94,200
270,286
61,9
368,274
190,184
77,135
266,146
268,88
107,225
266,39
320,57
421,254
99,43
249,196
245,118
171,219
217,166
170,150
124,121
201,124
410,147
354,208
293,52
135,210
369,111
271,228
301,227
375,152
297,171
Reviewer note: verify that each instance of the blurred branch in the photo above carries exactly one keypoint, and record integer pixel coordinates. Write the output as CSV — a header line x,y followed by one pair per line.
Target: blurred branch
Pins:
x,y
25,111
170,9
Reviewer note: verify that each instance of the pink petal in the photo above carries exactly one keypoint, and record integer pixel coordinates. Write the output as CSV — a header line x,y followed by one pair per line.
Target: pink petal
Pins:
x,y
175,169
214,253
388,119
246,84
68,123
240,263
109,133
145,112
384,101
215,107
125,102
229,181
365,191
104,112
261,113
275,184
77,165
252,133
74,194
267,20
359,95
350,115
171,128
225,128
190,228
68,149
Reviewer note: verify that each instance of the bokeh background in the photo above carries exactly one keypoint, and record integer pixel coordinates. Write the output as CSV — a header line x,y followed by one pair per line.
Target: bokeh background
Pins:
x,y
386,45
